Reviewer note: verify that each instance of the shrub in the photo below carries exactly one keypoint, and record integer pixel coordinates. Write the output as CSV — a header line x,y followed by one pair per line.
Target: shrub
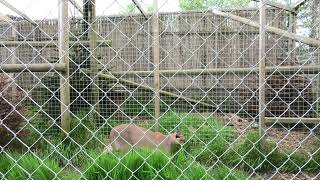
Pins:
x,y
11,109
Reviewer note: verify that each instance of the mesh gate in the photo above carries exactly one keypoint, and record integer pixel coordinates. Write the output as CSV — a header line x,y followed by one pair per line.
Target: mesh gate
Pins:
x,y
178,89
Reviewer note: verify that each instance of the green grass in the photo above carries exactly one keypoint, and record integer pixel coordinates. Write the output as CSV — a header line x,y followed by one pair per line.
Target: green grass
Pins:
x,y
72,150
224,172
84,132
199,131
5,164
27,166
208,141
142,108
256,154
146,164
141,164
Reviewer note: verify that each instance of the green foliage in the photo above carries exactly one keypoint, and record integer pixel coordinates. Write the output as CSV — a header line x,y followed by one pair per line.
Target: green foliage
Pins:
x,y
206,4
82,128
30,166
70,175
131,8
39,125
209,142
143,164
5,164
313,164
199,131
256,154
141,108
68,153
193,4
253,153
101,167
224,172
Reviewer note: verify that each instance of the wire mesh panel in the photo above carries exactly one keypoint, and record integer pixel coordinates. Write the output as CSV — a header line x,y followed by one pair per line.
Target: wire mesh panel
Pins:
x,y
181,89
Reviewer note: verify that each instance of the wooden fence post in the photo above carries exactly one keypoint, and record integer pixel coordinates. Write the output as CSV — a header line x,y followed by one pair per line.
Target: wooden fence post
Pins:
x,y
156,62
262,65
93,61
64,58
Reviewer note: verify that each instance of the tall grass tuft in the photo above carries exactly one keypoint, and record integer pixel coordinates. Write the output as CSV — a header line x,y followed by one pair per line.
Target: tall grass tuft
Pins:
x,y
199,131
224,172
5,164
256,153
29,166
144,164
101,166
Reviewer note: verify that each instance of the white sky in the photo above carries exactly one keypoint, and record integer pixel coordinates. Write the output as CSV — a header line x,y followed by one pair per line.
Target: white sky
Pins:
x,y
47,9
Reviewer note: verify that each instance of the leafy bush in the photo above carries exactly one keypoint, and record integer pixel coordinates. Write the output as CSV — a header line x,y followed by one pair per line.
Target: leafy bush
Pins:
x,y
11,109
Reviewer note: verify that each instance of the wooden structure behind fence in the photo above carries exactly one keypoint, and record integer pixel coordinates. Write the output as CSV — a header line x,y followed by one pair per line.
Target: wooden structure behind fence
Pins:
x,y
194,40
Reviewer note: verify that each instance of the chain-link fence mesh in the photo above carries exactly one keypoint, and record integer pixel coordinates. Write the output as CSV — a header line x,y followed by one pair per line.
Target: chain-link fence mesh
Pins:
x,y
208,85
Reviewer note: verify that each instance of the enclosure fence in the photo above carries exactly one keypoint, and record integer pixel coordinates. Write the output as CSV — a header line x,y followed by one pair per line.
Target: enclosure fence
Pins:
x,y
211,93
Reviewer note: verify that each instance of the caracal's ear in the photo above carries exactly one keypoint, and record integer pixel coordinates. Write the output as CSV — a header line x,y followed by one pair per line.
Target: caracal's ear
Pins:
x,y
178,135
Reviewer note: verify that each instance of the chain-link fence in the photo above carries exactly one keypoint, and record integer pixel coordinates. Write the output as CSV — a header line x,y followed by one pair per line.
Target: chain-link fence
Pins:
x,y
178,89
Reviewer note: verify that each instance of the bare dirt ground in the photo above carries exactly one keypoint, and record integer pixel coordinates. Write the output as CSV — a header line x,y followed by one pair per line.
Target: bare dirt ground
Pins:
x,y
294,140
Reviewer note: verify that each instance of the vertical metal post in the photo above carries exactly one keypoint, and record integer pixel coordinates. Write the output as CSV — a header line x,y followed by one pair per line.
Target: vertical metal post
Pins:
x,y
63,24
156,62
262,79
93,61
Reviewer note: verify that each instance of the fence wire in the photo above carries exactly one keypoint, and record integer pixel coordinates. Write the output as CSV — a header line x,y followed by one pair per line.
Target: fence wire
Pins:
x,y
208,70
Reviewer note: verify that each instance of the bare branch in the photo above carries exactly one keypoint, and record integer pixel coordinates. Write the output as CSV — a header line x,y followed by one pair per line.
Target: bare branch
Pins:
x,y
278,5
287,34
76,5
140,8
11,7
